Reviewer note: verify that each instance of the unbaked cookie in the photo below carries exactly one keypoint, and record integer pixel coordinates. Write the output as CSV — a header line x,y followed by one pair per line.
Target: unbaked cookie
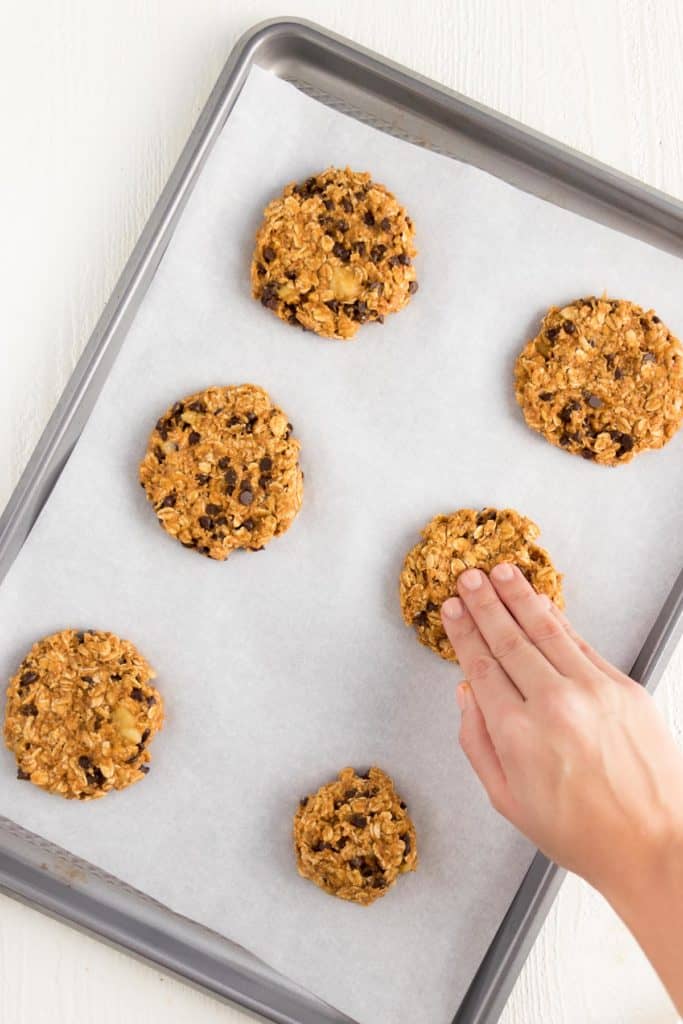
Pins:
x,y
80,714
603,379
222,470
334,252
353,837
468,539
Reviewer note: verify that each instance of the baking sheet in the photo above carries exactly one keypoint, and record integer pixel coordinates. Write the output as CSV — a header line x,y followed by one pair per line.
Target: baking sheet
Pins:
x,y
280,668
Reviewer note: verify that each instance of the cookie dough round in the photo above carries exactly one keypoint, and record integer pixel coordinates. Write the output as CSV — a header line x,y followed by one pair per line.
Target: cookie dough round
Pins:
x,y
353,838
80,714
222,470
603,379
468,539
334,252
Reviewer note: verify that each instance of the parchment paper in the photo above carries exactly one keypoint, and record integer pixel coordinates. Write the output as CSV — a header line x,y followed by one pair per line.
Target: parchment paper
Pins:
x,y
281,667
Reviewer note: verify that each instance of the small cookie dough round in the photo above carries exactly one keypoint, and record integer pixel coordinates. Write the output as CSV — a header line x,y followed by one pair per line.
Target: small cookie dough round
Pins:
x,y
222,471
468,539
353,838
603,379
334,252
80,714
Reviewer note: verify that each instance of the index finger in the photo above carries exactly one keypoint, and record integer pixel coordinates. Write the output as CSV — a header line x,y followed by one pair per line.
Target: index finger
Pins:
x,y
494,691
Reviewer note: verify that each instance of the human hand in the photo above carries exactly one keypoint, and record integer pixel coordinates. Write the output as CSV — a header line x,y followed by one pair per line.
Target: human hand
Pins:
x,y
569,749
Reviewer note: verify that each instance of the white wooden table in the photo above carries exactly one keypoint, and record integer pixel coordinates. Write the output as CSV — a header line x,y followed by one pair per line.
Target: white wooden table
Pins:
x,y
98,97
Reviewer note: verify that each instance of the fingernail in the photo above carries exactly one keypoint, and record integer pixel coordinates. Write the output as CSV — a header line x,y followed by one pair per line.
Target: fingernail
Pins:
x,y
471,579
462,695
452,608
503,572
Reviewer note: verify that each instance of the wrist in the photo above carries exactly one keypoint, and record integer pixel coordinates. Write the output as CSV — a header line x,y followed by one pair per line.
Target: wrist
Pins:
x,y
648,871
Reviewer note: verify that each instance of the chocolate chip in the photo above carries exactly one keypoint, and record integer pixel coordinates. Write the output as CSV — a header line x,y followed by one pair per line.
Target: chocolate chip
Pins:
x,y
431,607
318,846
230,480
202,479
224,462
268,253
413,287
350,793
249,524
194,438
116,677
81,636
404,259
366,870
486,515
234,420
303,801
169,501
656,320
385,223
379,883
252,420
403,806
221,521
618,374
205,522
159,455
333,304
342,225
377,253
347,205
565,413
212,510
355,862
594,402
626,445
564,440
269,297
89,680
28,678
246,497
405,839
341,252
265,463
364,775
569,327
177,410
421,619
343,840
328,204
358,820
369,218
22,775
150,700
144,768
649,357
84,762
552,333
29,709
586,453
545,396
137,694
94,777
360,248
290,275
197,406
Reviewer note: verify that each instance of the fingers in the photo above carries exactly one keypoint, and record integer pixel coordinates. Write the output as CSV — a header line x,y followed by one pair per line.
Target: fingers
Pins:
x,y
534,614
480,752
496,694
587,651
523,662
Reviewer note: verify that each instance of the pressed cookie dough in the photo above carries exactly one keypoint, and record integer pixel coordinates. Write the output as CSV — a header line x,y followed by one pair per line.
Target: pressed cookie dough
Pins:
x,y
468,539
334,252
354,837
221,470
603,379
80,714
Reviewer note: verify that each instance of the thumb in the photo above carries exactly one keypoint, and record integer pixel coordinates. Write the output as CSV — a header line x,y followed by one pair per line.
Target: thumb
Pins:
x,y
480,752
